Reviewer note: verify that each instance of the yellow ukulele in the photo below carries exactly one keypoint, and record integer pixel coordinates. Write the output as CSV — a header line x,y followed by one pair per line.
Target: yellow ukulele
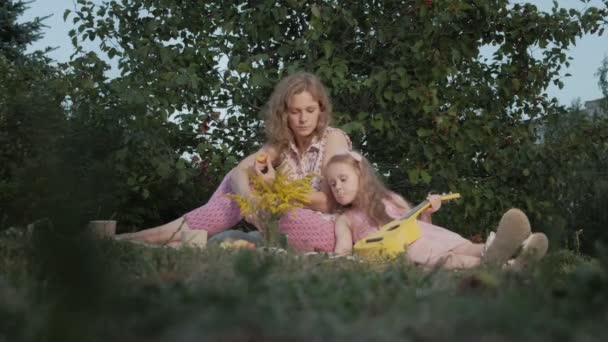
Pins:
x,y
394,237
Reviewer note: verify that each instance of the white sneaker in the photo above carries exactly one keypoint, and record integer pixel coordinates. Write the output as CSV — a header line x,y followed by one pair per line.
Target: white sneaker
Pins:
x,y
533,249
489,241
512,230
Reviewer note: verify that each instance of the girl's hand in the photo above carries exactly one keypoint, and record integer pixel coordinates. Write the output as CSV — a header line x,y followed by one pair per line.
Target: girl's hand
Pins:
x,y
435,201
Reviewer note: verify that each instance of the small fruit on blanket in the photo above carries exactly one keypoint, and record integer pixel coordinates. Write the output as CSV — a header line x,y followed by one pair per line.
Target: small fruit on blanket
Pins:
x,y
237,244
261,158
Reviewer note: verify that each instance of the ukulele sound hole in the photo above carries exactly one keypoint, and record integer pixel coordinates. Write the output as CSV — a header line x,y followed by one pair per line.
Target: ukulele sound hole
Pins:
x,y
374,239
393,227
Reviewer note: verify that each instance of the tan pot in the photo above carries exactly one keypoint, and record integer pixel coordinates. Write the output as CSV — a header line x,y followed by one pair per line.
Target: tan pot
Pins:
x,y
103,228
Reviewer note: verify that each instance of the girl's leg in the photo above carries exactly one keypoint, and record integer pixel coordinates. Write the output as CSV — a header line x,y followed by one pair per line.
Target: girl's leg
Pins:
x,y
450,260
470,249
219,214
456,261
308,230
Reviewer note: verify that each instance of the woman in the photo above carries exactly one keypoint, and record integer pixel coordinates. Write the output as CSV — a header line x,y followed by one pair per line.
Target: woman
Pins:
x,y
299,140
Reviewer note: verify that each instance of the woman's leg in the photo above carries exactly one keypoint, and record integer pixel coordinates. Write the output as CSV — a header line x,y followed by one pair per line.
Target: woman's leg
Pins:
x,y
166,233
308,230
219,214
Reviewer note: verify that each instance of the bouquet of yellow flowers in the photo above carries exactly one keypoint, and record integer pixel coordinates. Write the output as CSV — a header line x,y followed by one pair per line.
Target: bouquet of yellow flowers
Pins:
x,y
269,200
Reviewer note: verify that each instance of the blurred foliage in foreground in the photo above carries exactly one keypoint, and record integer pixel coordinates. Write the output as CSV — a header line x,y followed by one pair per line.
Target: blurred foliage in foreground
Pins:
x,y
57,288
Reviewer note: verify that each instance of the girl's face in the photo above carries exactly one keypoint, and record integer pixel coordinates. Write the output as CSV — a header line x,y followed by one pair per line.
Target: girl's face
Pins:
x,y
303,114
343,181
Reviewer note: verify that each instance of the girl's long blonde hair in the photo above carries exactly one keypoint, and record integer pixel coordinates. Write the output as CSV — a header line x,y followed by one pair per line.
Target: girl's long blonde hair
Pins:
x,y
277,128
371,189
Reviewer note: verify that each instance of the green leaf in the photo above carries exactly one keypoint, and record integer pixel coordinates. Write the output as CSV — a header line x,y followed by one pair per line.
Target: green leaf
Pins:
x,y
413,176
399,97
426,178
163,169
243,67
352,127
516,84
328,48
423,132
388,94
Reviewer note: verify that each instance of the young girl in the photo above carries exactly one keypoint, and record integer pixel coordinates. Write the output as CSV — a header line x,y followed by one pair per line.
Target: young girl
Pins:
x,y
367,204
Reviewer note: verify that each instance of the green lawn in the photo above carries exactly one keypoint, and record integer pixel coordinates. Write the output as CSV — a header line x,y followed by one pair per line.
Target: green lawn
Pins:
x,y
60,289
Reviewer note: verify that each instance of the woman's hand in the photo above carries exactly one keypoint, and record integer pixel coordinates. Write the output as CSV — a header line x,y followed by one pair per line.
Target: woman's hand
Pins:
x,y
254,219
239,178
263,167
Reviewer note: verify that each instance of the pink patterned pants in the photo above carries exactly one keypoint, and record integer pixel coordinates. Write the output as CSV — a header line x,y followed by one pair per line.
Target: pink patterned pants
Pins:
x,y
306,230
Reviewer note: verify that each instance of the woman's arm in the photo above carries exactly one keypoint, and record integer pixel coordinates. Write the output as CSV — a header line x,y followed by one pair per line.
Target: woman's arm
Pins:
x,y
337,142
344,238
321,201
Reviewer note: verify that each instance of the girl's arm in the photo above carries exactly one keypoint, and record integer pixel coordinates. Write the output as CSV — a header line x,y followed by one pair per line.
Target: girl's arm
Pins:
x,y
400,201
344,238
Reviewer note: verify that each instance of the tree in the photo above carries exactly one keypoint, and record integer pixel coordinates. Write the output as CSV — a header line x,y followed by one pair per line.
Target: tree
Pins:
x,y
577,145
15,37
31,113
406,78
602,75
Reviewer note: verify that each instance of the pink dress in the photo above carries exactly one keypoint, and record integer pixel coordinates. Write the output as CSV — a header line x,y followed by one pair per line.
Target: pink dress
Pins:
x,y
434,244
306,229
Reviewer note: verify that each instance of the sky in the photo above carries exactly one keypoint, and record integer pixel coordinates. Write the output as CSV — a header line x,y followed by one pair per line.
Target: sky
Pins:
x,y
587,54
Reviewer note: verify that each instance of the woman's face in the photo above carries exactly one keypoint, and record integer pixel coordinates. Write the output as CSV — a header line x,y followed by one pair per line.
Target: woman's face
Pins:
x,y
343,181
303,114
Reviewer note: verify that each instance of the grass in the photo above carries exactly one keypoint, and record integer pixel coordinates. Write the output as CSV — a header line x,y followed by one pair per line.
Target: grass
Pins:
x,y
56,288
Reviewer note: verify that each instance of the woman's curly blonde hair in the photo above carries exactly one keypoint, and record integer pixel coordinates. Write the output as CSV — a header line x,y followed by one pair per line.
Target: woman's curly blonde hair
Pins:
x,y
278,132
371,189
